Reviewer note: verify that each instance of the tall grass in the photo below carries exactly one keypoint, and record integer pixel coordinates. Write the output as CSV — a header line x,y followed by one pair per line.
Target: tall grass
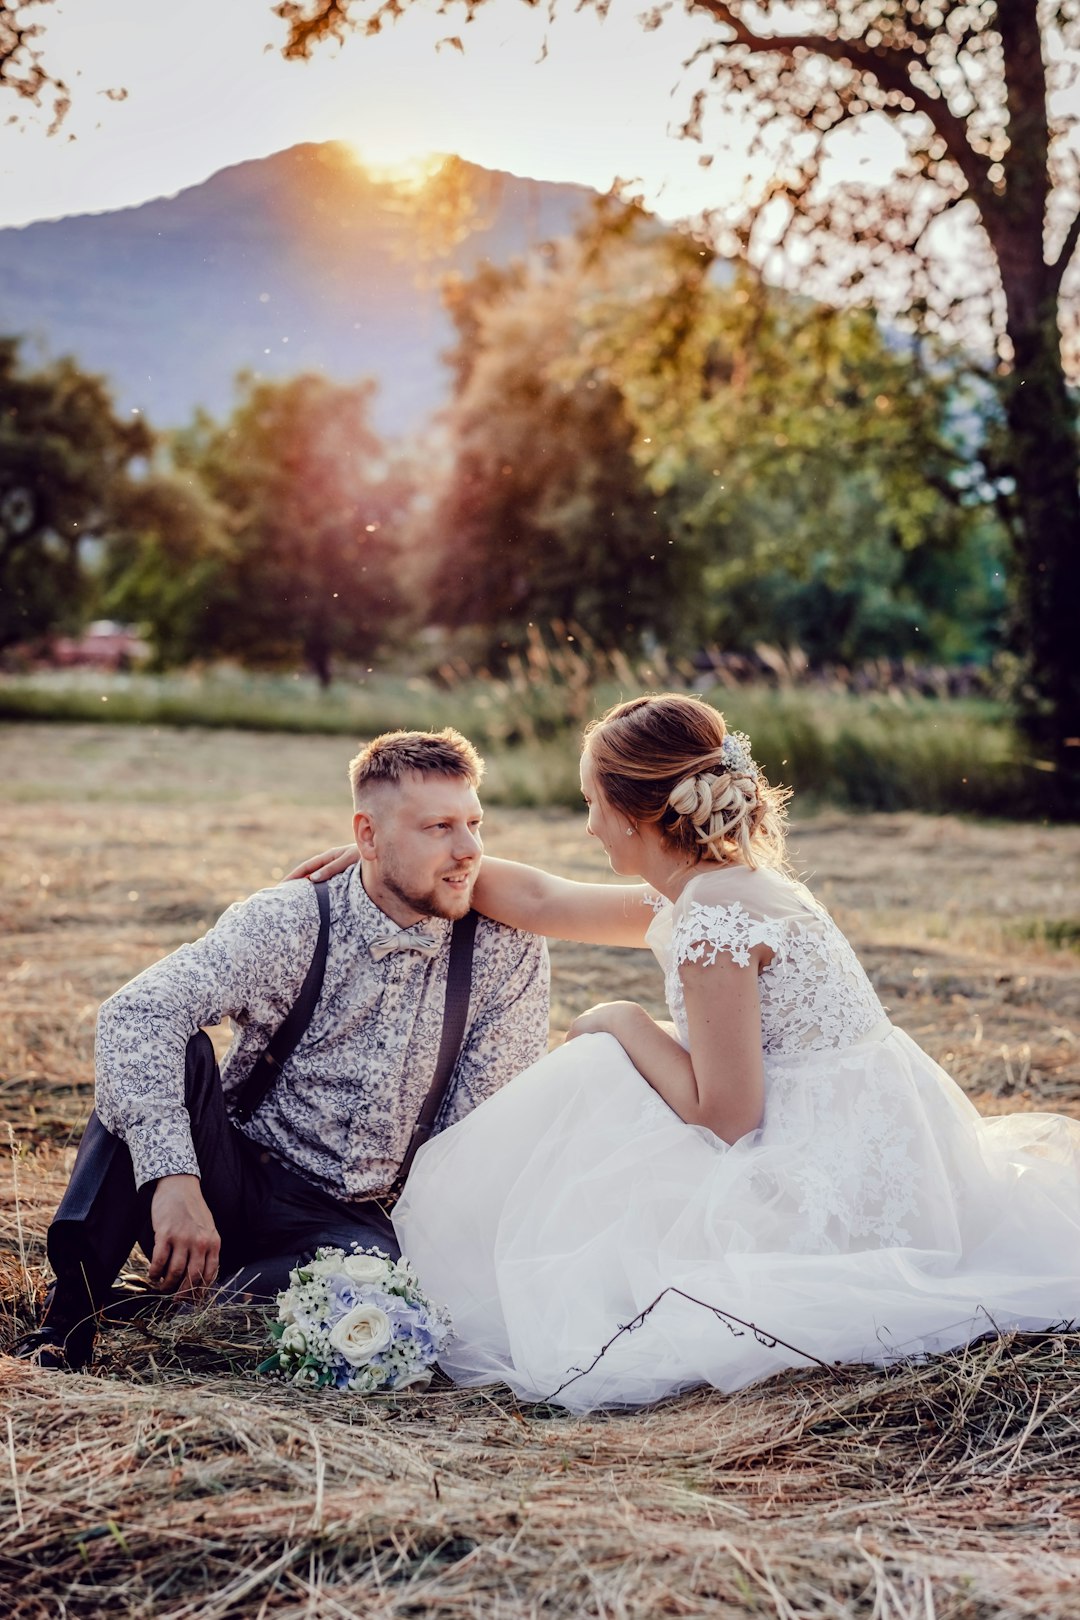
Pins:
x,y
885,751
889,753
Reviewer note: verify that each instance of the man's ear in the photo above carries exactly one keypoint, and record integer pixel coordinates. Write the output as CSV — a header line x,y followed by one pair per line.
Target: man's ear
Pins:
x,y
364,833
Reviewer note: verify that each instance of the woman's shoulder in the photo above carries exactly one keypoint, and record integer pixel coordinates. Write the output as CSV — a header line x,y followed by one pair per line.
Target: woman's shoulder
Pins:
x,y
729,909
722,904
760,890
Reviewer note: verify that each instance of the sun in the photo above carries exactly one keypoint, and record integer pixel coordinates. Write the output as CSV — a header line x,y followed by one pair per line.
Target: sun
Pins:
x,y
408,167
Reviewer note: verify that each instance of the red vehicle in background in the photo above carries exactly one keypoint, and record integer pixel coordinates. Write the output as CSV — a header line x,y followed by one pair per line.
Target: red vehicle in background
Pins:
x,y
104,644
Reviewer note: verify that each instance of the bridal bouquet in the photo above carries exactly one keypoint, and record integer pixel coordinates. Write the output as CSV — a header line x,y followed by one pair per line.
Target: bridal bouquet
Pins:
x,y
356,1320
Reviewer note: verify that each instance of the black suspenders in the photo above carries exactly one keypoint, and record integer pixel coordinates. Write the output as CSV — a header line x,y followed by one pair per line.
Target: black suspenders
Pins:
x,y
283,1042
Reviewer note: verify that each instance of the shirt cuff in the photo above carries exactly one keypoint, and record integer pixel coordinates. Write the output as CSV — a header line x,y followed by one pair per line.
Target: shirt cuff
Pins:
x,y
162,1148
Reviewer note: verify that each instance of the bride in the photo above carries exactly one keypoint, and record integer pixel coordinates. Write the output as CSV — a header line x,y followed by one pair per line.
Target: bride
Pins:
x,y
778,1177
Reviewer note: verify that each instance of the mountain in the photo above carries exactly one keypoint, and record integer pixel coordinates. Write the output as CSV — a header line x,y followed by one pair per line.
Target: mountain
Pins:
x,y
288,263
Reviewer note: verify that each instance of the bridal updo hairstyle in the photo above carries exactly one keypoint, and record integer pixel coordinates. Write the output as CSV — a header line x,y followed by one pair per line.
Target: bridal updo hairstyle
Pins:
x,y
660,760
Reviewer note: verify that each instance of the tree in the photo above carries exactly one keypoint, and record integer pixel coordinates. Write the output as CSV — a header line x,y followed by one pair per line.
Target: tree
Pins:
x,y
545,514
973,87
642,441
65,460
829,473
22,66
166,564
311,505
832,472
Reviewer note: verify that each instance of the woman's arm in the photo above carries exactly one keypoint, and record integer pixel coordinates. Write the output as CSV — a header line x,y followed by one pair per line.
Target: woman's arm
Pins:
x,y
541,903
720,1081
537,902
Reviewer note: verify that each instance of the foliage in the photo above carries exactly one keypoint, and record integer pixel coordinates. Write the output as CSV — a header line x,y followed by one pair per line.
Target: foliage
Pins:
x,y
270,537
886,751
977,94
642,442
65,461
831,472
310,506
165,563
545,514
23,70
975,91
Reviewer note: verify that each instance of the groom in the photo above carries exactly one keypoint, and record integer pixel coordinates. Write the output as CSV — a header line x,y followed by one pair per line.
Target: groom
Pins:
x,y
299,1141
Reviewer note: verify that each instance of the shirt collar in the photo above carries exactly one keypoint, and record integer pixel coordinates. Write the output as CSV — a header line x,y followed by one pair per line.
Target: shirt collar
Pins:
x,y
371,922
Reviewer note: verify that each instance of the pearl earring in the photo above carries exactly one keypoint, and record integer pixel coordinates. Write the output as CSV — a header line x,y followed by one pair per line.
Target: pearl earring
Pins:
x,y
629,832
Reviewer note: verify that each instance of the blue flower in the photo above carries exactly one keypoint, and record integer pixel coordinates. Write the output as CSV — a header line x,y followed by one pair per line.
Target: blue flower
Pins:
x,y
344,1296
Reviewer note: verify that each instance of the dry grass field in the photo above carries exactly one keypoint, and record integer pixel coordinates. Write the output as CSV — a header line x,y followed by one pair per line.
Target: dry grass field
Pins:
x,y
172,1482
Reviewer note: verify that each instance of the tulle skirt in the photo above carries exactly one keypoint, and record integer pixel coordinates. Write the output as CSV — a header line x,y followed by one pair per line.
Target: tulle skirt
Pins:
x,y
595,1250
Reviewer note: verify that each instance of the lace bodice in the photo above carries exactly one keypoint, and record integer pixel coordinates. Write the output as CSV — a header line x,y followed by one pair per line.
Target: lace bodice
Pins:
x,y
815,996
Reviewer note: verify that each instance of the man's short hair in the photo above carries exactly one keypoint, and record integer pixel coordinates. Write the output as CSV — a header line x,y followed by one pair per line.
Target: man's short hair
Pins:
x,y
397,754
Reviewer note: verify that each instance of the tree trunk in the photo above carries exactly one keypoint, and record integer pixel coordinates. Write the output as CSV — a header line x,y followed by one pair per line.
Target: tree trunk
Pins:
x,y
1045,465
1043,448
317,657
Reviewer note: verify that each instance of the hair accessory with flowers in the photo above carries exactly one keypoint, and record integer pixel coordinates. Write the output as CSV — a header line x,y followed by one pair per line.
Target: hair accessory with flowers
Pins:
x,y
735,755
357,1321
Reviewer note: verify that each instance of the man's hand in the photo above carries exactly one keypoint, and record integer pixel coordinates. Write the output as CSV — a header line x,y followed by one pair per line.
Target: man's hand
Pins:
x,y
327,865
186,1241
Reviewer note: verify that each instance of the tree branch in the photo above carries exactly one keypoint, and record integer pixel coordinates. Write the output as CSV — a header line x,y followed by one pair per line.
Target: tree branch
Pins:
x,y
329,20
21,68
890,67
1068,248
735,1325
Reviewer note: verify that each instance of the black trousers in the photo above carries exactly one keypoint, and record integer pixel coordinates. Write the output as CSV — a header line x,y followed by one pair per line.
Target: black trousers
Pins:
x,y
268,1217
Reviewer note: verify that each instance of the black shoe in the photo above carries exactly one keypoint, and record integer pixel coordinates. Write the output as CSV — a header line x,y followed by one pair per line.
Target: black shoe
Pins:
x,y
53,1351
64,1341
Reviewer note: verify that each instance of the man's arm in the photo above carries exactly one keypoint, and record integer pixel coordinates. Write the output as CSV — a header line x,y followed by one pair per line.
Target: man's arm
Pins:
x,y
249,966
511,988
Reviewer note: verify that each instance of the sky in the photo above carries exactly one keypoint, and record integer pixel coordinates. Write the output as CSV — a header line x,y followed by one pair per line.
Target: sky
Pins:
x,y
206,87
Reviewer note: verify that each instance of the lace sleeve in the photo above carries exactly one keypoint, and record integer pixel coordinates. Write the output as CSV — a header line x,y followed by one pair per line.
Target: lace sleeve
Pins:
x,y
702,932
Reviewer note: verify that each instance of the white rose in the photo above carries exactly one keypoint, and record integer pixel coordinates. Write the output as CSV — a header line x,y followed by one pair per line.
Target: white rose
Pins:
x,y
365,1268
294,1339
422,1377
321,1268
287,1305
361,1333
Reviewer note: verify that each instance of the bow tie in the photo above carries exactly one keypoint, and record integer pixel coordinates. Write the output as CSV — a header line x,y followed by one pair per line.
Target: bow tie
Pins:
x,y
415,938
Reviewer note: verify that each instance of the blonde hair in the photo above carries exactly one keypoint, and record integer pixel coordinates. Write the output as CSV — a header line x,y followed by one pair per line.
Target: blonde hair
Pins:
x,y
427,753
661,760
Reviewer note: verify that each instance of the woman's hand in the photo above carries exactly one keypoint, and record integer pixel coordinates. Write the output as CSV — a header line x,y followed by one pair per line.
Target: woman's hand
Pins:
x,y
719,1082
327,865
608,1018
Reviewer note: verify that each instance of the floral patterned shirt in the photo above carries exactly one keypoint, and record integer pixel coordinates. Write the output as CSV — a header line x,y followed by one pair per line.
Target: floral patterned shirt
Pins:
x,y
343,1108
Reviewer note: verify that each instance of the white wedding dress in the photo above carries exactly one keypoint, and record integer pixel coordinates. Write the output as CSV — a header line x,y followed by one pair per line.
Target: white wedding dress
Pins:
x,y
874,1215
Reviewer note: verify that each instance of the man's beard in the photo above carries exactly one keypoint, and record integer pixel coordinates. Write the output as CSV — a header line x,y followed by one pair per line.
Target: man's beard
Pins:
x,y
436,902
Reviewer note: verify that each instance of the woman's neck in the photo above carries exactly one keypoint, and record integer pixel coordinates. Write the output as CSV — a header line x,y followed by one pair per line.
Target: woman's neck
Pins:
x,y
669,875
